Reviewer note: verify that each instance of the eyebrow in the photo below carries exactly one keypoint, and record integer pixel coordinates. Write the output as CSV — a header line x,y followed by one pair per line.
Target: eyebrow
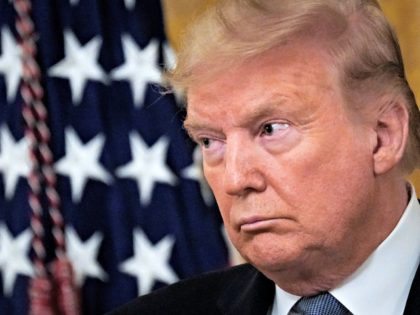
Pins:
x,y
191,127
257,113
262,111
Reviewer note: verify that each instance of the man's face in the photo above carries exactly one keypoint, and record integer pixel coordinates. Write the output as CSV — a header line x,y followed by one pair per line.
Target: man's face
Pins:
x,y
290,170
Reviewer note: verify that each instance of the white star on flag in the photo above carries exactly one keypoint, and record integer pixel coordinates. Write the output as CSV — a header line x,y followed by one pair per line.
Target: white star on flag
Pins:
x,y
79,64
195,172
83,256
14,257
14,160
140,67
130,4
147,166
81,162
150,262
10,63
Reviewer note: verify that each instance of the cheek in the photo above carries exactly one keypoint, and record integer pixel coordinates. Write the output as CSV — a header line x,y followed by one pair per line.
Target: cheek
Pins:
x,y
326,163
337,190
324,176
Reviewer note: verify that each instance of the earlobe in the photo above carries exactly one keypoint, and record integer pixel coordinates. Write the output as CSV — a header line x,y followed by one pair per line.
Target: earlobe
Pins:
x,y
391,133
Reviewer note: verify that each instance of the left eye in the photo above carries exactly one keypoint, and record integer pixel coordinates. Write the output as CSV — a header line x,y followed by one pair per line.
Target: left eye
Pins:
x,y
271,128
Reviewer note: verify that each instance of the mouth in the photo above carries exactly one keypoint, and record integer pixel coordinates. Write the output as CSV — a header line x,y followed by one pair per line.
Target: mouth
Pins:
x,y
257,224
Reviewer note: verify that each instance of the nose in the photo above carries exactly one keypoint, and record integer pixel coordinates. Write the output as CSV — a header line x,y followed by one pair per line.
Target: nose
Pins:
x,y
243,172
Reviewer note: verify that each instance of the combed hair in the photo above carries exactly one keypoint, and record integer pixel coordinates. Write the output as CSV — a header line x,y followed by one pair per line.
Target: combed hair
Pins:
x,y
354,33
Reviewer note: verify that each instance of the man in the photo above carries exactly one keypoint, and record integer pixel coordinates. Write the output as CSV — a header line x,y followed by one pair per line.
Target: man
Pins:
x,y
307,127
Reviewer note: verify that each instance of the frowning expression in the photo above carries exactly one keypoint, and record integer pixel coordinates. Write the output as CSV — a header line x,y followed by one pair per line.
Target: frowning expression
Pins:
x,y
291,172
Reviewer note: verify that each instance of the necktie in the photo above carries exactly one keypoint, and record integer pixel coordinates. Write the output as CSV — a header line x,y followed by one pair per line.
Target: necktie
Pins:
x,y
321,304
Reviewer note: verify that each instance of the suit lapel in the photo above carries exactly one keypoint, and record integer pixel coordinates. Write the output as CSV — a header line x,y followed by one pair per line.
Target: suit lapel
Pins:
x,y
413,302
248,293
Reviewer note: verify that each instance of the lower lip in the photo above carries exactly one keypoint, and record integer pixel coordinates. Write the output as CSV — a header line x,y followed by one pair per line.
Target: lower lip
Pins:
x,y
258,225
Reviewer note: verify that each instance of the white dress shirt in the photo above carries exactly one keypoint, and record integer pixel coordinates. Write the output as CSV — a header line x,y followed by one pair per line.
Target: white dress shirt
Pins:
x,y
382,284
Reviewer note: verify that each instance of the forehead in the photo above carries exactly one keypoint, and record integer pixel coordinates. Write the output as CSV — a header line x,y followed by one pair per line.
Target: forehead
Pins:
x,y
297,75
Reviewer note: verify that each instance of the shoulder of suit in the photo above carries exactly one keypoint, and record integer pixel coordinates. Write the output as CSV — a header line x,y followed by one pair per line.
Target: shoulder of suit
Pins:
x,y
194,295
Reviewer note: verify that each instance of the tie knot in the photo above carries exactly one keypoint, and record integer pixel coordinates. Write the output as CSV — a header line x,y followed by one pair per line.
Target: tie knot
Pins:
x,y
321,304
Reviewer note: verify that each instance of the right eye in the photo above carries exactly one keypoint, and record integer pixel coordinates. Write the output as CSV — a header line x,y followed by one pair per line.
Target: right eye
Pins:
x,y
212,149
205,142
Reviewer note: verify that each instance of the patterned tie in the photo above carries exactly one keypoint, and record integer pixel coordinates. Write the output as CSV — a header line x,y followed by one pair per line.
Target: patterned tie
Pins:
x,y
321,304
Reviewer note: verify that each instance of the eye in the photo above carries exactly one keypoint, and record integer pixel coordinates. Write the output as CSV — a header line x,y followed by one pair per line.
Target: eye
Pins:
x,y
205,142
211,149
270,128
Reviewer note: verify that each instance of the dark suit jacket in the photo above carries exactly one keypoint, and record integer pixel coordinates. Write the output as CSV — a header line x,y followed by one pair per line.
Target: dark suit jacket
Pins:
x,y
240,290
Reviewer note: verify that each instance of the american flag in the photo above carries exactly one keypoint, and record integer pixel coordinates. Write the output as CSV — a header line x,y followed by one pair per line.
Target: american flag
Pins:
x,y
137,214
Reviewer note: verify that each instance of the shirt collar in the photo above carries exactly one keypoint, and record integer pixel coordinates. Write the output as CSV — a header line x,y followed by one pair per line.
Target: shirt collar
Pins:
x,y
283,302
382,284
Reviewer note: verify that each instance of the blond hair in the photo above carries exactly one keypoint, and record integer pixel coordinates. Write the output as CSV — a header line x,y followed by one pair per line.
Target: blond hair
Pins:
x,y
355,34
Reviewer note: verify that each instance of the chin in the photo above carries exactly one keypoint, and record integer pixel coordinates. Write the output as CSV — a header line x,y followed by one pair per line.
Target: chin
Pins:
x,y
269,253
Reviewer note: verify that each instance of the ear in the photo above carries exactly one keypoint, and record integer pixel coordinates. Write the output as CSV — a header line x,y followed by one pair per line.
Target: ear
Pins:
x,y
391,132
